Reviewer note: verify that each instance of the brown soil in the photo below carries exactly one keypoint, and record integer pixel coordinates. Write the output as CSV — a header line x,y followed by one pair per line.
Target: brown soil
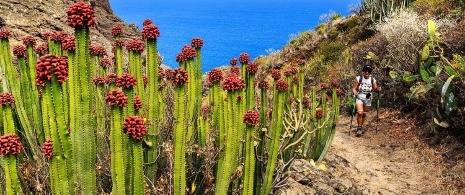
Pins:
x,y
402,157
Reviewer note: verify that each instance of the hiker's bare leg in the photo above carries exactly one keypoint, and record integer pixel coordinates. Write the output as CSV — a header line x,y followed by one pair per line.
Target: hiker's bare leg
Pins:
x,y
365,110
360,114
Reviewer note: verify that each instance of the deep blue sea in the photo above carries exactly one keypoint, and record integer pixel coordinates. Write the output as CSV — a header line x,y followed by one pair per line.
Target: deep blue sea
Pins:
x,y
227,27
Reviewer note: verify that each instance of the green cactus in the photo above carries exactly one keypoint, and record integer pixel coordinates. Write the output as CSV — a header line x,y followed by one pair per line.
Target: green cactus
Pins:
x,y
263,85
331,124
252,119
312,123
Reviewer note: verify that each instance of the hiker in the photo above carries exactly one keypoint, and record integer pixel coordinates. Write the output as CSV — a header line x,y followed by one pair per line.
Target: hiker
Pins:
x,y
363,86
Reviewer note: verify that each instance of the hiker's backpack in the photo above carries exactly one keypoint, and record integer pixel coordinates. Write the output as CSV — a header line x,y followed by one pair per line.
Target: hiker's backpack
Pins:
x,y
361,78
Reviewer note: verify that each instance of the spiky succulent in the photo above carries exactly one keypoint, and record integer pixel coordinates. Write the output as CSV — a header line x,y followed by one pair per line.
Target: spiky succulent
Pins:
x,y
117,30
233,61
215,75
47,63
137,103
126,80
233,83
252,68
197,42
116,97
244,58
178,76
282,85
10,144
80,15
135,127
6,99
251,118
189,51
47,149
19,51
105,63
41,49
334,83
276,74
98,80
68,43
150,31
4,34
29,40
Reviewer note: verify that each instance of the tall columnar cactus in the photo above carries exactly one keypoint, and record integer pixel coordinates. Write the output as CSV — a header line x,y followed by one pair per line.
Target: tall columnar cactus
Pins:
x,y
135,49
233,85
10,146
197,44
281,87
81,17
117,31
178,78
189,52
204,126
214,77
150,33
313,122
301,85
251,119
135,128
52,73
263,85
117,101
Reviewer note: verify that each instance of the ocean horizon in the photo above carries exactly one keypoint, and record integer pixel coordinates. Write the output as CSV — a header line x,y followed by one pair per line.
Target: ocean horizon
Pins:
x,y
228,28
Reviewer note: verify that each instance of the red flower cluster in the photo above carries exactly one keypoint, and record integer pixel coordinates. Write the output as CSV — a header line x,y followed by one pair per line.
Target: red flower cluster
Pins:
x,y
205,112
135,127
235,70
282,85
276,74
197,42
339,92
80,15
324,86
39,93
244,58
178,76
47,149
319,113
291,71
252,68
161,85
137,103
6,99
161,74
126,80
145,79
233,61
97,50
295,80
10,144
117,30
239,98
46,35
150,31
44,67
41,50
119,43
4,34
68,43
307,102
189,52
19,51
251,118
135,45
147,22
301,62
233,82
291,100
181,57
111,78
116,97
105,62
215,75
28,40
59,36
98,80
334,83
262,84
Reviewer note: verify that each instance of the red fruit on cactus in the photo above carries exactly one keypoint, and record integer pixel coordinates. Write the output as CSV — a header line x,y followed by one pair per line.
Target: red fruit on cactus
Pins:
x,y
324,86
189,51
339,92
319,113
105,63
68,43
137,103
334,83
147,22
262,84
205,112
111,78
44,69
282,85
161,85
239,98
276,74
215,75
97,50
19,51
178,77
41,50
150,31
244,58
4,34
252,68
181,57
135,45
233,82
116,30
116,97
197,42
291,100
135,127
98,80
235,70
47,149
161,74
6,99
233,61
295,80
126,80
10,144
301,62
46,35
28,40
120,43
251,118
61,69
80,15
145,79
307,102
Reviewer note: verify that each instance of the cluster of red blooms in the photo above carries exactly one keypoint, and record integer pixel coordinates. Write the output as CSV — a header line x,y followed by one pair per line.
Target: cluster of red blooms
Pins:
x,y
282,85
135,127
39,93
41,49
28,40
80,15
291,100
291,71
233,61
98,80
307,102
116,30
252,68
189,52
137,103
126,80
334,83
276,74
116,97
97,50
6,99
161,85
10,144
44,69
119,43
68,43
4,34
244,58
262,83
150,31
177,77
301,62
233,82
161,74
239,98
251,118
46,35
111,78
147,22
324,86
105,62
145,79
197,42
235,70
339,92
181,57
19,51
135,45
205,111
295,80
59,36
47,149
319,113
215,75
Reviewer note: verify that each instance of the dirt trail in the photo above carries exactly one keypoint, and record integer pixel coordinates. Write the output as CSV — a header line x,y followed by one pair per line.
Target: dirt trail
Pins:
x,y
391,161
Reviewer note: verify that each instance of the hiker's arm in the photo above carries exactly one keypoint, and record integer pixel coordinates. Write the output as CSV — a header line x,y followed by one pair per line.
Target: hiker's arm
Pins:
x,y
376,87
355,88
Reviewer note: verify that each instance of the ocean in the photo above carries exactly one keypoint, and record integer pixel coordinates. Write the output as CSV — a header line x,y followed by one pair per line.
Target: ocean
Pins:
x,y
230,27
